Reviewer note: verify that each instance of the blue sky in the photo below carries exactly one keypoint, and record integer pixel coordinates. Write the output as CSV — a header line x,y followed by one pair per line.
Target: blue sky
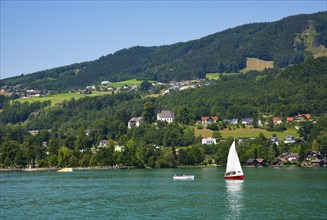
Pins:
x,y
38,35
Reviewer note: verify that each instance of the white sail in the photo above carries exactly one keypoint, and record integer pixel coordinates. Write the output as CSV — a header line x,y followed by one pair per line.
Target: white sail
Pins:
x,y
233,163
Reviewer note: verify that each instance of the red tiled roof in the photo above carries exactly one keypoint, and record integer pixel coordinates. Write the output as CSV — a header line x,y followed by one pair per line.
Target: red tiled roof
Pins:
x,y
205,118
290,119
276,119
305,115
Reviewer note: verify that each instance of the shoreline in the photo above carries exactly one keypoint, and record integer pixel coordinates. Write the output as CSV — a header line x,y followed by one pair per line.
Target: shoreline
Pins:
x,y
93,168
58,168
125,168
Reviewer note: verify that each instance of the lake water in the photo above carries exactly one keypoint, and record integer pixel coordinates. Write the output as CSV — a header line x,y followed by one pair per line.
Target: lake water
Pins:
x,y
265,193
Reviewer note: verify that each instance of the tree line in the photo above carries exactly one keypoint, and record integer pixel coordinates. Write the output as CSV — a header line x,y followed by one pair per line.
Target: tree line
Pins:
x,y
141,149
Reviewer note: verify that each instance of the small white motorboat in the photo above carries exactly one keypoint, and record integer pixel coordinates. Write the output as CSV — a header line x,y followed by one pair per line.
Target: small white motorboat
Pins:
x,y
65,170
183,177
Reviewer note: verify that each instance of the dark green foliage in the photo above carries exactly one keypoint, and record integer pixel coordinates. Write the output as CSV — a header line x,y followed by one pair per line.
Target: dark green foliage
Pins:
x,y
149,112
191,156
145,86
213,126
3,99
297,89
184,115
19,112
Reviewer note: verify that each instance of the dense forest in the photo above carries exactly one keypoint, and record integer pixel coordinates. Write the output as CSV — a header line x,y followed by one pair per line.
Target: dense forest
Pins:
x,y
297,89
285,42
69,135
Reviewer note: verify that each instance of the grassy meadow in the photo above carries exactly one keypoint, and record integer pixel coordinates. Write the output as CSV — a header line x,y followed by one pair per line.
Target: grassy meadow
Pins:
x,y
62,97
257,64
68,96
212,76
130,83
246,132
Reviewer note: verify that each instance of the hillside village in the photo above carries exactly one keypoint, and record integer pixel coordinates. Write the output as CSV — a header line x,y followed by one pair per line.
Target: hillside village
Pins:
x,y
312,158
103,86
212,122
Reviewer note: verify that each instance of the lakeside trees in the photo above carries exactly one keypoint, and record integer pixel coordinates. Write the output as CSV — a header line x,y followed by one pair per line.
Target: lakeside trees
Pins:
x,y
145,146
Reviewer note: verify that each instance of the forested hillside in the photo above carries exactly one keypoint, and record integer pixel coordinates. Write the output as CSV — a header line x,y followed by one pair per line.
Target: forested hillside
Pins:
x,y
297,89
288,41
64,135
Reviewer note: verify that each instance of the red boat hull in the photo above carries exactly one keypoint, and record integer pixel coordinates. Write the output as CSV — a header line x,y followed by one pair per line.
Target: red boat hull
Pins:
x,y
234,177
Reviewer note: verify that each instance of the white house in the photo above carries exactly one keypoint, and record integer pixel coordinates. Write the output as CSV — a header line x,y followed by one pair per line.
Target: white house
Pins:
x,y
34,132
103,144
135,122
166,115
208,141
247,121
93,87
277,121
233,121
289,140
119,148
274,140
33,93
293,157
105,82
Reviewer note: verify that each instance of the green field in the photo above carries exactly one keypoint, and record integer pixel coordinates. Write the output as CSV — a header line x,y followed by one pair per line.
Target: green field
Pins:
x,y
212,76
130,83
247,133
68,96
257,64
215,76
62,97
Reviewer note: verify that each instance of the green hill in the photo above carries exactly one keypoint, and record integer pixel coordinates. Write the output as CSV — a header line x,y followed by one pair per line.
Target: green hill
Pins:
x,y
282,42
296,89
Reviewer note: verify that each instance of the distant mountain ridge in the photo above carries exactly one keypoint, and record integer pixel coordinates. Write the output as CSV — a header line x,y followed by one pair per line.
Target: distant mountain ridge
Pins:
x,y
290,40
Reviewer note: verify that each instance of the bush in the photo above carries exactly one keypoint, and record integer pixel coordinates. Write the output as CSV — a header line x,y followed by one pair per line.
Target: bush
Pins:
x,y
213,126
216,134
42,163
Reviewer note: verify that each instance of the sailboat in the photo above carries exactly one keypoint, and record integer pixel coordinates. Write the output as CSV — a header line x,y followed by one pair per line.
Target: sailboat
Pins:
x,y
233,169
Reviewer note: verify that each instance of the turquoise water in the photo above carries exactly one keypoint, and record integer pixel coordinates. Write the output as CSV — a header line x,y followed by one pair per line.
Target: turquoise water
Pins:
x,y
265,193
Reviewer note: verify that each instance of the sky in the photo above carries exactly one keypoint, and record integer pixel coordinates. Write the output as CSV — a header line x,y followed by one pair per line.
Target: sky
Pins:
x,y
38,35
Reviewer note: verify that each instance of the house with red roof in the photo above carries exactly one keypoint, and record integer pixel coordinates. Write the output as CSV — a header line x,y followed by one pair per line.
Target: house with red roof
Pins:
x,y
277,120
209,119
290,120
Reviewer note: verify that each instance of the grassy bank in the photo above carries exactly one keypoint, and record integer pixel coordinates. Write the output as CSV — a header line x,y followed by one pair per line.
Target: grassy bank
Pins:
x,y
57,98
68,96
130,83
247,132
